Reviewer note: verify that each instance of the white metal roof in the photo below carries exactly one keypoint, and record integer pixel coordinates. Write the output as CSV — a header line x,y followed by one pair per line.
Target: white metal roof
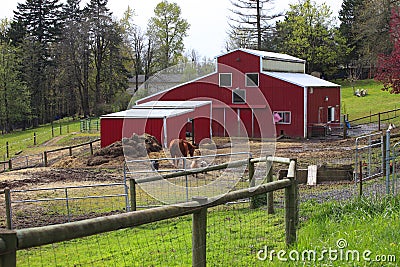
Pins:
x,y
271,55
301,79
173,104
147,113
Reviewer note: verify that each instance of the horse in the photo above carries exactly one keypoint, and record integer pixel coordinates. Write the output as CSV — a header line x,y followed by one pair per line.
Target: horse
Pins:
x,y
180,148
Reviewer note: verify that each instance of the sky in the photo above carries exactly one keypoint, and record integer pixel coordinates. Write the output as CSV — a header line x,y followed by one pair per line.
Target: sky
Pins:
x,y
208,18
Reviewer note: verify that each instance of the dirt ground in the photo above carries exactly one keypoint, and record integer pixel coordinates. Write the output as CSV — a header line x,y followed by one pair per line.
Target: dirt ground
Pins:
x,y
75,169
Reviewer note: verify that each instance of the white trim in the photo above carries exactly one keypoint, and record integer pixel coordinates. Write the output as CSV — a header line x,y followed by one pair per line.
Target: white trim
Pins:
x,y
224,122
305,112
211,119
258,79
245,96
238,121
278,75
219,80
252,122
165,132
284,111
264,54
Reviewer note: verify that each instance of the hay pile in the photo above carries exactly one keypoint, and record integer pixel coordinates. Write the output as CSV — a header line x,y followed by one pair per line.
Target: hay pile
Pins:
x,y
134,147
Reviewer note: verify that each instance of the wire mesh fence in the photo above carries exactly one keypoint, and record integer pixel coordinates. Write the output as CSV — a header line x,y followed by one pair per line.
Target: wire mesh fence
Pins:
x,y
168,236
235,234
46,206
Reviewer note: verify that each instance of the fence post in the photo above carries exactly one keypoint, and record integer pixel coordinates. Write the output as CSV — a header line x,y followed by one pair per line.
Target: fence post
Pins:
x,y
52,129
387,162
60,128
132,193
10,164
383,139
199,235
291,206
45,158
91,148
67,204
34,139
379,121
7,195
8,248
361,177
7,150
344,127
252,182
270,195
70,151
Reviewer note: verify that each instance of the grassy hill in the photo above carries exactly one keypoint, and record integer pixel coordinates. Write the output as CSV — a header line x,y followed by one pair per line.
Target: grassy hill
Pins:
x,y
376,100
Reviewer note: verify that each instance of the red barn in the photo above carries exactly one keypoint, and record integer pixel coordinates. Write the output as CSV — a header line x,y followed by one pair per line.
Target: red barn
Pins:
x,y
165,120
251,88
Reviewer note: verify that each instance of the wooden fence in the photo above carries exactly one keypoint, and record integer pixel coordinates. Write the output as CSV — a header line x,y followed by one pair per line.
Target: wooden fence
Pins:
x,y
11,241
41,159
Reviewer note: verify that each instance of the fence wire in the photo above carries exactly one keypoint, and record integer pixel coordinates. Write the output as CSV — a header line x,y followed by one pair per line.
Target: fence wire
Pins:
x,y
235,234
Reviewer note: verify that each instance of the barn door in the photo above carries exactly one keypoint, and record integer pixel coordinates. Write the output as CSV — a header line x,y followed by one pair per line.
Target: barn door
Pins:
x,y
321,115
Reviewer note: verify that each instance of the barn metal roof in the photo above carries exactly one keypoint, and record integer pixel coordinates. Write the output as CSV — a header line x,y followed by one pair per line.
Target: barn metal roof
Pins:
x,y
301,79
271,55
173,104
155,113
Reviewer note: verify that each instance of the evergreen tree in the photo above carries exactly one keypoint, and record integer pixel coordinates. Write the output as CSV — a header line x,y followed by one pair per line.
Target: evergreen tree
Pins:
x,y
251,24
308,32
40,23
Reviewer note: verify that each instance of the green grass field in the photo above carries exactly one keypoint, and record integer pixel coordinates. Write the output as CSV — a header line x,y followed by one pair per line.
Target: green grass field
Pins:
x,y
22,142
354,233
375,101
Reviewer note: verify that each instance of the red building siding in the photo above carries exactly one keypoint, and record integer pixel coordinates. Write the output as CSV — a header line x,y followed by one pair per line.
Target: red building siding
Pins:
x,y
273,94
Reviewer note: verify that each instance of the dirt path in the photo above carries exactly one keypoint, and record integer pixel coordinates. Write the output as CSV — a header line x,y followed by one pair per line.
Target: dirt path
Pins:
x,y
53,141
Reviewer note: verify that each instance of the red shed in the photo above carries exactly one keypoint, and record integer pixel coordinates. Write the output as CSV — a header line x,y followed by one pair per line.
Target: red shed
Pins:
x,y
164,120
250,88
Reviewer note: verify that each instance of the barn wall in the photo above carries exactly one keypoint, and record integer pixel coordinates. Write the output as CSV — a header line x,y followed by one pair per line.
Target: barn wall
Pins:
x,y
114,129
110,130
284,96
316,102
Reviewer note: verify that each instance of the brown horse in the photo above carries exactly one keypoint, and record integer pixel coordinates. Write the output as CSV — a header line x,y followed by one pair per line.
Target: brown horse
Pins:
x,y
180,148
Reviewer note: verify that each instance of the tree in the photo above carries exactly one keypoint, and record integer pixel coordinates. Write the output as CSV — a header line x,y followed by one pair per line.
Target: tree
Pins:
x,y
73,48
134,41
250,24
105,39
14,94
371,29
169,29
348,16
308,32
388,67
39,23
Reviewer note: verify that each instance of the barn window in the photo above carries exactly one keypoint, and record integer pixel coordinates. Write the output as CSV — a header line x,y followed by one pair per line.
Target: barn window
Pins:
x,y
225,80
252,79
331,114
238,96
283,117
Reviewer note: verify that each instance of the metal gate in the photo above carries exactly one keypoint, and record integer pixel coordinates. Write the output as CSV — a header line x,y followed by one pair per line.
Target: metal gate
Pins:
x,y
369,152
395,168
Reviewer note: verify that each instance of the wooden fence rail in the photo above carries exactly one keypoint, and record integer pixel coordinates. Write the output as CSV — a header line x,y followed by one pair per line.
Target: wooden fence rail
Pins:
x,y
12,164
11,241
